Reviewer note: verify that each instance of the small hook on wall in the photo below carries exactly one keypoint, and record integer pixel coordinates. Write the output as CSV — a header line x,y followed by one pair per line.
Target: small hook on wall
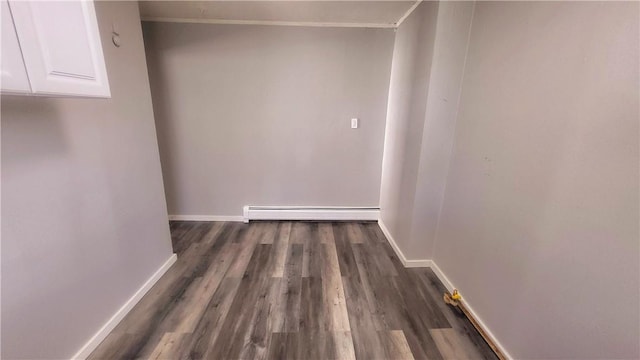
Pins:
x,y
115,36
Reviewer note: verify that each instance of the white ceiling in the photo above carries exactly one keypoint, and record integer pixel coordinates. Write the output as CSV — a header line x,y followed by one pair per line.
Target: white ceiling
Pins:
x,y
302,12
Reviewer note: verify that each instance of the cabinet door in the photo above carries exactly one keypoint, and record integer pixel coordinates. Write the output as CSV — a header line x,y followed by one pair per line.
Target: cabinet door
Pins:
x,y
60,41
13,74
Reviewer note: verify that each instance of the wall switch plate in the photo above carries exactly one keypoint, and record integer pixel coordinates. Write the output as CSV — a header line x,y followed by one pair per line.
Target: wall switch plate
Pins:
x,y
354,123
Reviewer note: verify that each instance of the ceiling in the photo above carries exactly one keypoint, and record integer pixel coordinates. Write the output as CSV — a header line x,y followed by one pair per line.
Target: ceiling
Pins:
x,y
302,12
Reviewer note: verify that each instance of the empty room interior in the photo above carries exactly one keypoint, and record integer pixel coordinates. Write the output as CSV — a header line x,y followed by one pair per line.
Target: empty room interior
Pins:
x,y
320,180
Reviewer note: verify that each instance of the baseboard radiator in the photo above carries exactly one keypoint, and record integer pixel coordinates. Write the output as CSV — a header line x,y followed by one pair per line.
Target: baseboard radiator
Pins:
x,y
318,213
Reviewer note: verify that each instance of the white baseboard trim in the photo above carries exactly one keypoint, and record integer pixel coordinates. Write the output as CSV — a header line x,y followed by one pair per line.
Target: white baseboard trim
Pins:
x,y
417,263
93,343
205,218
319,213
406,262
447,284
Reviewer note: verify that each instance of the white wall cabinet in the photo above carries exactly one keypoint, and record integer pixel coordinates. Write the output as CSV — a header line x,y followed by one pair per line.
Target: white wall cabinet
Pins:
x,y
13,75
58,44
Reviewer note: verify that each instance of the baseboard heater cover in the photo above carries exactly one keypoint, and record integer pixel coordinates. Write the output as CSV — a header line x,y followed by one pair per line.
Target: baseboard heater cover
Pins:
x,y
321,213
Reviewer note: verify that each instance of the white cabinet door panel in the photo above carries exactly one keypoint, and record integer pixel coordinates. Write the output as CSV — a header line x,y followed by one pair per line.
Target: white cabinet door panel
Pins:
x,y
13,74
61,46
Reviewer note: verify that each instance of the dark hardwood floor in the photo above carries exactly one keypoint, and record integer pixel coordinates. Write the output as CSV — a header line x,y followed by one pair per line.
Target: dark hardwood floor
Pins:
x,y
291,290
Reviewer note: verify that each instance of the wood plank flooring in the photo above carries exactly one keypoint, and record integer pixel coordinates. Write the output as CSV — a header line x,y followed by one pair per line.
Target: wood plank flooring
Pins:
x,y
291,290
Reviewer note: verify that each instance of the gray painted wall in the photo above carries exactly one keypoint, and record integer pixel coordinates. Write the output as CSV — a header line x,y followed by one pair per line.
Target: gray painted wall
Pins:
x,y
539,228
84,221
260,115
428,64
410,72
449,54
